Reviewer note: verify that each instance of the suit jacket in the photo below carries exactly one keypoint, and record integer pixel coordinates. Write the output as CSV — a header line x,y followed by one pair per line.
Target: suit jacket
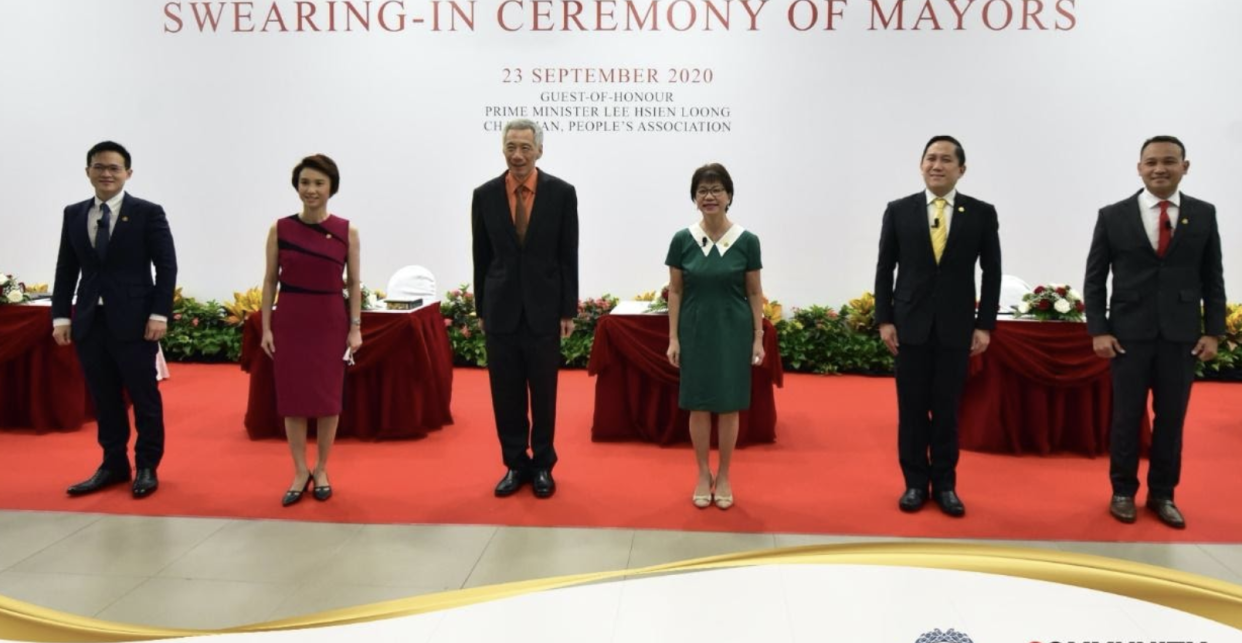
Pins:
x,y
1154,297
928,295
140,239
541,278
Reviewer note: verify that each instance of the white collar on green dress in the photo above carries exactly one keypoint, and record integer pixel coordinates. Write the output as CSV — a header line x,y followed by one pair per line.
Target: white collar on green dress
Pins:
x,y
706,244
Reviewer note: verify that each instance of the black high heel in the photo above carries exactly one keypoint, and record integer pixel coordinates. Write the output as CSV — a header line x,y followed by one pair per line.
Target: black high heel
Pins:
x,y
294,496
321,493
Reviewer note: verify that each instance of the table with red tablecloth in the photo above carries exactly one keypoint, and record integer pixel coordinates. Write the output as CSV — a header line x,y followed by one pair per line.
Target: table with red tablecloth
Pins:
x,y
1039,388
400,386
41,384
636,387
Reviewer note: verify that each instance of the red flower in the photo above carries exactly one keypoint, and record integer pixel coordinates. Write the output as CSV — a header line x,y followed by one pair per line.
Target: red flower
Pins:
x,y
664,294
1039,289
465,331
1044,304
447,321
1079,306
177,317
1061,291
194,322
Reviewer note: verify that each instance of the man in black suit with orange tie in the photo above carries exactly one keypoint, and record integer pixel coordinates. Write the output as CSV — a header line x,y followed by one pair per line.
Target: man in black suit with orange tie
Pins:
x,y
929,320
525,228
1163,250
111,242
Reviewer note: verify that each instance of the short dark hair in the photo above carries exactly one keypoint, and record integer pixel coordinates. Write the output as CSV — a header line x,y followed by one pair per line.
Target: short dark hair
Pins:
x,y
961,151
712,173
109,146
319,163
1163,139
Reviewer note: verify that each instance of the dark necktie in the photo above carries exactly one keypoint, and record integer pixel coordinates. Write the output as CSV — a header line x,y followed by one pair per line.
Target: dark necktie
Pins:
x,y
521,219
1166,230
103,234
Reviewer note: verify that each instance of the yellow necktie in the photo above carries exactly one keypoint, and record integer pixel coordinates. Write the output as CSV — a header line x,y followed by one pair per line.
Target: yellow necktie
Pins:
x,y
939,229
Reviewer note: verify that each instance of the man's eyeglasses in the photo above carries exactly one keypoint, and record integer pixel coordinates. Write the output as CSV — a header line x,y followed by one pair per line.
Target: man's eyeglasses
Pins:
x,y
99,168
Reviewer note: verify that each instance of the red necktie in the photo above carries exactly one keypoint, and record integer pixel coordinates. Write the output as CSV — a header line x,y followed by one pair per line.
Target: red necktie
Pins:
x,y
521,218
1166,230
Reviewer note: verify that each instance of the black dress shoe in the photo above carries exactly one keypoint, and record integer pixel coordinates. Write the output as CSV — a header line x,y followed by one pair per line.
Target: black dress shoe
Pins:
x,y
543,485
1122,508
912,500
950,503
103,478
1167,512
322,493
145,483
509,484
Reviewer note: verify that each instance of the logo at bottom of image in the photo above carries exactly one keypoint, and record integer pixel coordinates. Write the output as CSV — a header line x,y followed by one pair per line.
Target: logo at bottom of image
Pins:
x,y
951,636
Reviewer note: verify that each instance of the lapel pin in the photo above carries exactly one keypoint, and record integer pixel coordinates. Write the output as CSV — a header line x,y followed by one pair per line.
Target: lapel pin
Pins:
x,y
961,208
1185,221
329,235
124,218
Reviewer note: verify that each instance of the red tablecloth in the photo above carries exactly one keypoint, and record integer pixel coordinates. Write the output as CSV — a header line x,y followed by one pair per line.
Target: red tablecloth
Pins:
x,y
400,386
41,384
636,389
1039,388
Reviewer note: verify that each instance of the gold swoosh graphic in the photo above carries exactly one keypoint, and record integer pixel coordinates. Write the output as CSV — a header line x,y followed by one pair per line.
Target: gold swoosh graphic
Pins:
x,y
1212,599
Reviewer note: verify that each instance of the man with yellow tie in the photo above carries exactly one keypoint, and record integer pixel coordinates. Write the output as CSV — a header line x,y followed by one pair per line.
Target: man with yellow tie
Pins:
x,y
928,318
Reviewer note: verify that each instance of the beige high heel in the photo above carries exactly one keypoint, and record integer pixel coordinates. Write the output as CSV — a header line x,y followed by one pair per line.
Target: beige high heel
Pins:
x,y
703,501
724,502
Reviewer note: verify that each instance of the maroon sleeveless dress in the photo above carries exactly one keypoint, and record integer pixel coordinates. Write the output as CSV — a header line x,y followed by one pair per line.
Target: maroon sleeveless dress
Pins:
x,y
310,324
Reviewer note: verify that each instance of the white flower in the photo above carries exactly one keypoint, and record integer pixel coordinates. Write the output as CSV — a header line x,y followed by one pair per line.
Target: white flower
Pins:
x,y
1062,306
15,296
4,279
1024,308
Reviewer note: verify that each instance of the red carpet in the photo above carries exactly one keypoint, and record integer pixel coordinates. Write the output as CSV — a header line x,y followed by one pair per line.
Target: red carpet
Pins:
x,y
833,471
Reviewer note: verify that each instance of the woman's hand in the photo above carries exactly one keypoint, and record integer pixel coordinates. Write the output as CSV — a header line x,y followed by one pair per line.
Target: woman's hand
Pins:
x,y
268,343
756,351
354,341
674,353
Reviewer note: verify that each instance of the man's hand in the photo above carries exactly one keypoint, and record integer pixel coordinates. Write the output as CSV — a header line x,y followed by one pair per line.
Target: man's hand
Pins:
x,y
980,341
1107,346
567,327
1206,348
155,330
61,335
888,333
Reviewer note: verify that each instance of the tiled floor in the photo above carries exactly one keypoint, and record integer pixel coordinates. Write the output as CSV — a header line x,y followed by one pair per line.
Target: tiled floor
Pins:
x,y
213,573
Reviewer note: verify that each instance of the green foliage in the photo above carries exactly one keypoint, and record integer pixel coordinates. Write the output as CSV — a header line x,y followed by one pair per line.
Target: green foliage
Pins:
x,y
576,349
198,332
821,340
461,321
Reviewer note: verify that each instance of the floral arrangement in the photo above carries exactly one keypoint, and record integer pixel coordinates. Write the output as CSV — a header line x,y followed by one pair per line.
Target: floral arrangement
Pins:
x,y
822,340
576,349
658,299
203,331
462,323
12,291
244,304
370,298
1055,302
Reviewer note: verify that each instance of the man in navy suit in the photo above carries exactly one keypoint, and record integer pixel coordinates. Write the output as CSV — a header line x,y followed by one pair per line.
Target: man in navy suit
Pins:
x,y
1163,250
929,320
108,246
525,229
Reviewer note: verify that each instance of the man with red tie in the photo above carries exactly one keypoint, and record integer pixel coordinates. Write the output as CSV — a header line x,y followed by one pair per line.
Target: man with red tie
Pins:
x,y
1163,249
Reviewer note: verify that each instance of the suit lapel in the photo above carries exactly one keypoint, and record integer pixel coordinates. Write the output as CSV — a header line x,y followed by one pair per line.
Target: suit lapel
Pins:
x,y
502,210
78,230
1187,215
960,217
1134,222
918,222
121,226
537,213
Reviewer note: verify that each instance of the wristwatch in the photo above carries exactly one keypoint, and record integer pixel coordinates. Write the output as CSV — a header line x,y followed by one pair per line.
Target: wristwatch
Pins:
x,y
357,321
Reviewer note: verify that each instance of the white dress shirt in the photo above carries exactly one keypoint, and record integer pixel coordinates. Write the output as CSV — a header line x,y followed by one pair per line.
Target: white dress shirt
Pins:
x,y
948,208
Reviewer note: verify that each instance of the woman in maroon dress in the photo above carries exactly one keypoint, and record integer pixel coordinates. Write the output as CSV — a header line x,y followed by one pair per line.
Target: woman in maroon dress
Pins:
x,y
314,330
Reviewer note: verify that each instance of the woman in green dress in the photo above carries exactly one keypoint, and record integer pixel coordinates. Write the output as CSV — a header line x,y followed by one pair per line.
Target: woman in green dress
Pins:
x,y
715,325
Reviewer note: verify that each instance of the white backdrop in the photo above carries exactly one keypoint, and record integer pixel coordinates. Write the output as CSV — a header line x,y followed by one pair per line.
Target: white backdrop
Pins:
x,y
825,126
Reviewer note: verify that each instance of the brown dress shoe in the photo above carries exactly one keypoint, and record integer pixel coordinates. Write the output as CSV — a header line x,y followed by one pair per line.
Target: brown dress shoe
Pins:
x,y
1167,512
1122,508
